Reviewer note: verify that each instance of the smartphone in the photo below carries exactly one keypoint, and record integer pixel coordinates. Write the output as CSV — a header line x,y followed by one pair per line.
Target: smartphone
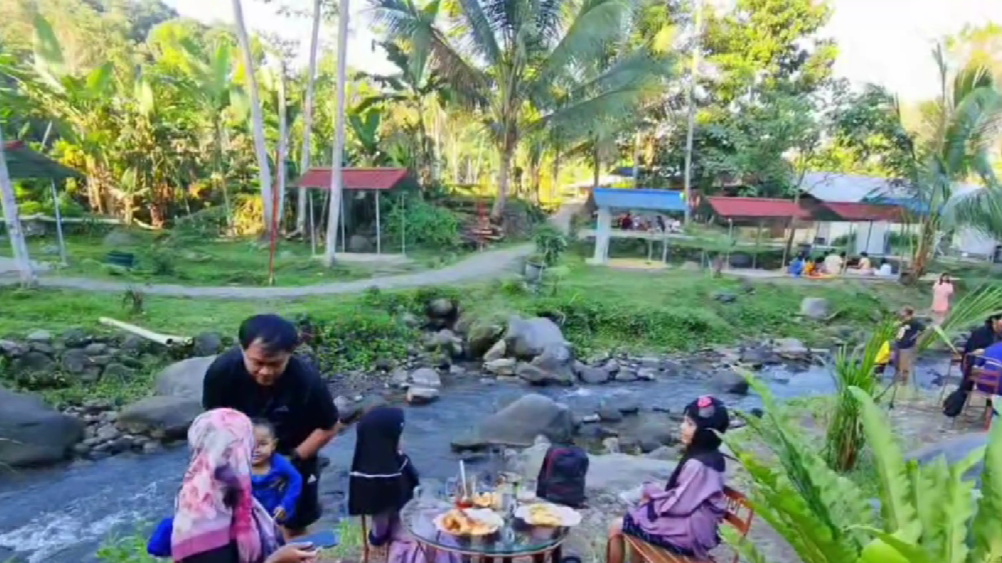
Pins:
x,y
324,539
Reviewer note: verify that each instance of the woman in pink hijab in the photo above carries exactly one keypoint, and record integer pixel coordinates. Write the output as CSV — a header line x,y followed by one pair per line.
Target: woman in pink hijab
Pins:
x,y
942,291
216,519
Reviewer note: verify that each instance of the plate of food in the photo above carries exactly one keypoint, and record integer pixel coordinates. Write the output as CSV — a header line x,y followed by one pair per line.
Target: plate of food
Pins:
x,y
547,515
470,522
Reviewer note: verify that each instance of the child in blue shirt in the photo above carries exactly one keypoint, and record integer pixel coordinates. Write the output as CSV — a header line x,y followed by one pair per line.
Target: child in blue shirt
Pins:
x,y
277,483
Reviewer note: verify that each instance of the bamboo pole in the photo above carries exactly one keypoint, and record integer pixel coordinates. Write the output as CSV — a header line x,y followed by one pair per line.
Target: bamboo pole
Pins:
x,y
165,339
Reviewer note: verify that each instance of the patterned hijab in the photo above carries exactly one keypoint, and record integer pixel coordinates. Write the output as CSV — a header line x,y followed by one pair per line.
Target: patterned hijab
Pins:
x,y
215,506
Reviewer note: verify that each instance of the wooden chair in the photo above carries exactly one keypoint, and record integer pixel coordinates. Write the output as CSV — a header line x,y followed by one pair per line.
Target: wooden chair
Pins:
x,y
987,381
739,515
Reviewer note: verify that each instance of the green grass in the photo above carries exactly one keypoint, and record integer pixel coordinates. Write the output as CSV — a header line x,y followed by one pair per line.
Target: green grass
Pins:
x,y
599,310
197,262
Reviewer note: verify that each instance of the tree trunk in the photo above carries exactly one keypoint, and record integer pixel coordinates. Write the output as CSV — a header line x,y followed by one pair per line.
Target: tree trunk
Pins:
x,y
257,118
793,222
21,258
924,250
596,163
283,149
338,156
311,75
220,174
507,152
555,184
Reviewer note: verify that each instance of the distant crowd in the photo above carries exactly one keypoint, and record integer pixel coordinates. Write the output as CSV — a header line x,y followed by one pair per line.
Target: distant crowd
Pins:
x,y
657,223
836,264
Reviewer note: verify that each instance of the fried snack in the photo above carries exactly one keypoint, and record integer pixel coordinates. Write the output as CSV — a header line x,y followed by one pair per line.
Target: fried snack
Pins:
x,y
487,500
543,515
457,523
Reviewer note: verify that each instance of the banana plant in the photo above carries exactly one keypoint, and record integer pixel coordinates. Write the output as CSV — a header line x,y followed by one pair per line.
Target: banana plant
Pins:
x,y
927,513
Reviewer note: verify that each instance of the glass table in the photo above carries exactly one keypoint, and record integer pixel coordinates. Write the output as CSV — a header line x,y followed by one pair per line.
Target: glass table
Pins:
x,y
514,539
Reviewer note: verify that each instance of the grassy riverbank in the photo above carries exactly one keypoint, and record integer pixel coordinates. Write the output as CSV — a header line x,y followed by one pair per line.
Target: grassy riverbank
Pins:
x,y
599,309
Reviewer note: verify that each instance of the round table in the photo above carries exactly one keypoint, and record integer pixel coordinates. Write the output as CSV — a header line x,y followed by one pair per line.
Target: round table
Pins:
x,y
514,539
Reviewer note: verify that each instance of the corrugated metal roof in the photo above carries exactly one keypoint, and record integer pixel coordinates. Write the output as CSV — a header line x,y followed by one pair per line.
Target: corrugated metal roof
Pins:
x,y
866,212
23,163
354,178
758,208
660,200
849,188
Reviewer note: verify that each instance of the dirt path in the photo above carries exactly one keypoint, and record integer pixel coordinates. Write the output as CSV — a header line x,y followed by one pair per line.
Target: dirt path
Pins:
x,y
486,264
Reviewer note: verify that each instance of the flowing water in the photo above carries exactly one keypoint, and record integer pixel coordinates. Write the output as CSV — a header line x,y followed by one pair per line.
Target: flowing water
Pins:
x,y
62,515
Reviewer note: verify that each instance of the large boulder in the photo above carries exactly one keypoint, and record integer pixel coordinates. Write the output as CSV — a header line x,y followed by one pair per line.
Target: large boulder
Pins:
x,y
816,308
32,433
483,335
955,449
727,381
184,378
528,338
519,423
558,361
609,474
170,416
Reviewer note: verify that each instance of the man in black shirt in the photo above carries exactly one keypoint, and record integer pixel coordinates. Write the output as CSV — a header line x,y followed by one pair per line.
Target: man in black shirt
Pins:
x,y
263,380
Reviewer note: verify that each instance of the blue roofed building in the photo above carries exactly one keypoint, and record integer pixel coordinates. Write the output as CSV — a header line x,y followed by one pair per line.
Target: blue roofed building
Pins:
x,y
608,202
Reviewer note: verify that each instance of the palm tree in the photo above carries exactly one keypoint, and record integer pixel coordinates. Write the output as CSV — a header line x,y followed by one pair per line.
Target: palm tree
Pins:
x,y
257,119
13,221
965,122
504,58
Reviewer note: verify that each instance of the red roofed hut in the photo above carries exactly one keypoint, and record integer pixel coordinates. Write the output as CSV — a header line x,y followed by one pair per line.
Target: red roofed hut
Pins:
x,y
362,182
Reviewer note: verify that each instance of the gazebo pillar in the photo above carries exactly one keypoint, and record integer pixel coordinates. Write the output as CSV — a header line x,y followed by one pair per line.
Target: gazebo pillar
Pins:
x,y
603,230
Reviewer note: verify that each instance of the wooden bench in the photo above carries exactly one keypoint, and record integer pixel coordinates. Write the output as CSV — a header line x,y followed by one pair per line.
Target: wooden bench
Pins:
x,y
117,258
737,503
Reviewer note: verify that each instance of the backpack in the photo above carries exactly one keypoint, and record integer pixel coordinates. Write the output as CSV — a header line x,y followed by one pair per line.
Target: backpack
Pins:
x,y
954,403
562,476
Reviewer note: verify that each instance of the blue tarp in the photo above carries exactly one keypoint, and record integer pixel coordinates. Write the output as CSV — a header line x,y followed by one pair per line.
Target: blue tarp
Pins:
x,y
659,200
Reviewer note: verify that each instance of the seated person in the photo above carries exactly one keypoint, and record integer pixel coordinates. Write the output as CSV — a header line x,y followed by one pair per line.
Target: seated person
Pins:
x,y
810,267
981,339
382,481
276,483
797,266
885,268
864,267
682,518
833,264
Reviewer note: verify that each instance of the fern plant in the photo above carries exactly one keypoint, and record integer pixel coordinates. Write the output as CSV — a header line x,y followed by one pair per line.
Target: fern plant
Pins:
x,y
927,514
844,438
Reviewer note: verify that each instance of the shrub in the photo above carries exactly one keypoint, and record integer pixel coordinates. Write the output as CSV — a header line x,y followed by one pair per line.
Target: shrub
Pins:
x,y
421,224
550,244
357,337
927,514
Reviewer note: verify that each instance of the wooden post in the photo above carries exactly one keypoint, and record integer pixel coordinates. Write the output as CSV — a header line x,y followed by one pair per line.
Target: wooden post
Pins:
x,y
313,227
403,225
869,232
344,242
59,223
758,237
730,240
379,229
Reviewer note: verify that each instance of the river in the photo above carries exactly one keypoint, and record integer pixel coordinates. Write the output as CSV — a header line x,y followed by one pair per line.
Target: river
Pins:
x,y
62,515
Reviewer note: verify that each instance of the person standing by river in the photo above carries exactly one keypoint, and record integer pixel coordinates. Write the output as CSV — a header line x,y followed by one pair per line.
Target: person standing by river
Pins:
x,y
264,380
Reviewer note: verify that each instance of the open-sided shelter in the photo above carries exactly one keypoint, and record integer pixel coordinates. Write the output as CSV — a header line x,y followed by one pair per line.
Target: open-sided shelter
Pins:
x,y
609,201
24,163
374,181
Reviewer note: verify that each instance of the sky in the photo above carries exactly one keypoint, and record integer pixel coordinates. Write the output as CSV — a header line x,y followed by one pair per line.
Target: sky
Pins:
x,y
887,42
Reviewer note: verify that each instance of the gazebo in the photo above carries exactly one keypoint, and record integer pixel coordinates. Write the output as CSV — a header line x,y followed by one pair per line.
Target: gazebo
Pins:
x,y
609,200
23,163
757,211
881,216
373,181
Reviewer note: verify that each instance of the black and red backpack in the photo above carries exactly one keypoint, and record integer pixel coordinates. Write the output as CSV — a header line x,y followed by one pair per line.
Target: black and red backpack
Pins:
x,y
562,476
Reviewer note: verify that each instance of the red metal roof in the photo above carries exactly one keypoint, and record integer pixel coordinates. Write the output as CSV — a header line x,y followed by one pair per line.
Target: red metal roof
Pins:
x,y
865,212
757,208
11,145
354,178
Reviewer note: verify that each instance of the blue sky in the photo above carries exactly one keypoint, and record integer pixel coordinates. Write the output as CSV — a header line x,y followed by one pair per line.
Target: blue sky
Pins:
x,y
883,41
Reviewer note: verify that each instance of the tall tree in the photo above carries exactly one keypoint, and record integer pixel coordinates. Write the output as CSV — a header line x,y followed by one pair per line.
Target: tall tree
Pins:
x,y
257,118
966,121
311,77
503,58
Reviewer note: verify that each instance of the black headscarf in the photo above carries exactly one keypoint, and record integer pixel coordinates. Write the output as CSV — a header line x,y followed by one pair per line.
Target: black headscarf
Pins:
x,y
382,479
710,416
